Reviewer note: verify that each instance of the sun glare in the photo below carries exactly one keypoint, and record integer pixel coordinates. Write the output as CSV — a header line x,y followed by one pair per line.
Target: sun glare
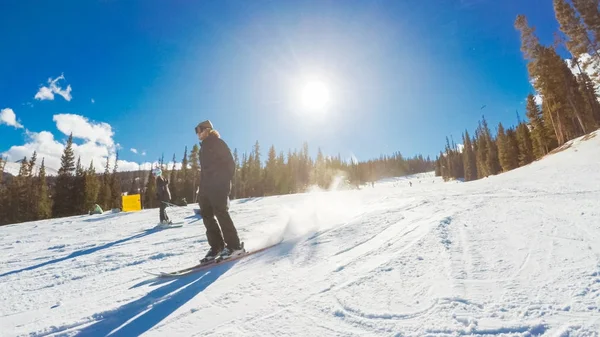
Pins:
x,y
315,95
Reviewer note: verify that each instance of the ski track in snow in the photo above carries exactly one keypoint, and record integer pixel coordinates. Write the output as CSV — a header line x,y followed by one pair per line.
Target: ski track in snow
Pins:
x,y
511,255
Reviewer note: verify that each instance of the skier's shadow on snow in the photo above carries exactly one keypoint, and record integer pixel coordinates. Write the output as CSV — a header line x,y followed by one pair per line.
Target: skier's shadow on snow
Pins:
x,y
84,251
154,306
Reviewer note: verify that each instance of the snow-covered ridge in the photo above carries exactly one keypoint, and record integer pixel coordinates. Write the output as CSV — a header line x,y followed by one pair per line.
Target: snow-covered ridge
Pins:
x,y
514,254
13,168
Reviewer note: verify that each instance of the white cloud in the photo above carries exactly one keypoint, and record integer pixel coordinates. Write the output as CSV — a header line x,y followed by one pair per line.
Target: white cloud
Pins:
x,y
82,128
460,147
91,141
45,145
538,99
130,166
8,117
144,153
93,101
47,93
133,150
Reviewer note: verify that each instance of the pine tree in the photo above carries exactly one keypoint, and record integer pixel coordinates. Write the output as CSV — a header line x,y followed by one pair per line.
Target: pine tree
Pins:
x,y
513,148
2,165
63,201
583,119
588,92
257,172
133,188
270,172
115,186
194,174
438,166
243,183
43,204
469,160
525,145
92,188
305,166
283,180
3,195
578,41
491,161
480,147
183,187
17,195
588,9
105,194
150,200
545,70
236,176
476,151
539,135
29,191
173,182
321,178
79,188
292,171
502,150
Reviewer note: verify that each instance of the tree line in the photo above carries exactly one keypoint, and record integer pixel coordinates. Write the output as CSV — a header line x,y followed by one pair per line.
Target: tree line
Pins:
x,y
569,104
282,172
76,190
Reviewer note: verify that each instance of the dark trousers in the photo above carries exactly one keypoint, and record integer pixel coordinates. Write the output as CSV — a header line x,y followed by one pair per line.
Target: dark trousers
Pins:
x,y
212,206
163,212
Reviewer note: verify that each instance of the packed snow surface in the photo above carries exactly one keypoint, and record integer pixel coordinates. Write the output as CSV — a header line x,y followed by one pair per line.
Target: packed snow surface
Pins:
x,y
516,254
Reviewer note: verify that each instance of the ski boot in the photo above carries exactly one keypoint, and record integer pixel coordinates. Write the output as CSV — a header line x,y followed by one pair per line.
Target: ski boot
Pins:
x,y
211,255
229,253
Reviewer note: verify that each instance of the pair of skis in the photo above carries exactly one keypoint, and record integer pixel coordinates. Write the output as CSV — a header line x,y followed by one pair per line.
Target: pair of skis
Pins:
x,y
207,265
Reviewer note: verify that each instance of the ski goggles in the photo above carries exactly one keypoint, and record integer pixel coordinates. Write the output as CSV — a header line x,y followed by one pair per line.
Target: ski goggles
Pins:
x,y
199,129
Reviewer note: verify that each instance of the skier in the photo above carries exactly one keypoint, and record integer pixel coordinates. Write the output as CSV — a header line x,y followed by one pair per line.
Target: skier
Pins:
x,y
216,173
163,194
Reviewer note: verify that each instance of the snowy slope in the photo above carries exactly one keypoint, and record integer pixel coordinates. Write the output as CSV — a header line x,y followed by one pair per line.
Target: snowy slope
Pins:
x,y
512,255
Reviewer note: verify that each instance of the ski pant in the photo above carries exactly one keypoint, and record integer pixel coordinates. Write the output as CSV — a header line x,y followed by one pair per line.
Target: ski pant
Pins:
x,y
163,212
217,205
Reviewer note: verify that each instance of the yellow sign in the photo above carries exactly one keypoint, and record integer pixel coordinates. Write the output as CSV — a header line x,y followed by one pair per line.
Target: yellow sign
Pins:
x,y
132,203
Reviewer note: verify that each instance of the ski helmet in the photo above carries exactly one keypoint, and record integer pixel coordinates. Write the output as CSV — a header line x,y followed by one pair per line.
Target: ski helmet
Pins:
x,y
203,125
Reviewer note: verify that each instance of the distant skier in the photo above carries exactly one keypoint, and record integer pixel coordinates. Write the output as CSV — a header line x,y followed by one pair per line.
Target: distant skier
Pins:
x,y
163,194
216,174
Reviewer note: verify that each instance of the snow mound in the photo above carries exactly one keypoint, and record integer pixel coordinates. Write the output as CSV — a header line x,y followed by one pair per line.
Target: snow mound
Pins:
x,y
516,254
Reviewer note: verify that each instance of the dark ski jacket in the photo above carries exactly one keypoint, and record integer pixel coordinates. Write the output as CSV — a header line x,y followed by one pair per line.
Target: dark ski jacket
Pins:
x,y
162,189
216,167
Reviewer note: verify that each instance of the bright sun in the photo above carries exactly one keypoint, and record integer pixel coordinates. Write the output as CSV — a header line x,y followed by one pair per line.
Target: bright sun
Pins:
x,y
315,95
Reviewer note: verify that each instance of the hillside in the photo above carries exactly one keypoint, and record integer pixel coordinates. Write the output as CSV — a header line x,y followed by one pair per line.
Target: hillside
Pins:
x,y
13,168
516,254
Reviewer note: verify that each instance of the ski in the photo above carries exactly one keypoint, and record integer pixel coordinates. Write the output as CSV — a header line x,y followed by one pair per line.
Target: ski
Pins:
x,y
167,226
209,264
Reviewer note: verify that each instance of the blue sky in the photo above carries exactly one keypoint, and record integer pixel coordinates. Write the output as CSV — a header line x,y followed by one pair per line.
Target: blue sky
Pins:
x,y
402,74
